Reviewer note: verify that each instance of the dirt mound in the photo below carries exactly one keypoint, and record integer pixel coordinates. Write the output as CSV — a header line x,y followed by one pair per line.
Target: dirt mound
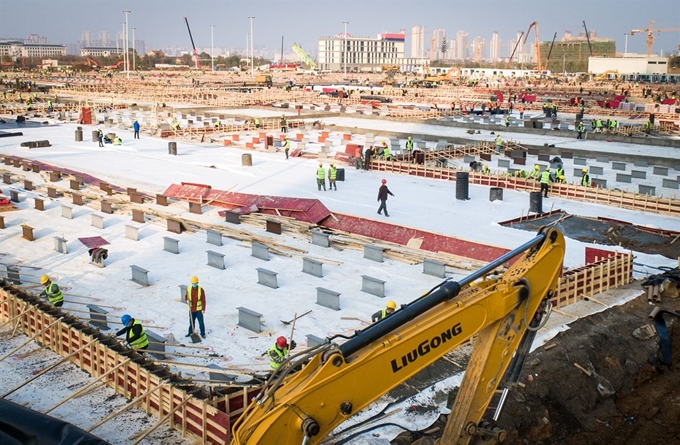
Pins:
x,y
621,396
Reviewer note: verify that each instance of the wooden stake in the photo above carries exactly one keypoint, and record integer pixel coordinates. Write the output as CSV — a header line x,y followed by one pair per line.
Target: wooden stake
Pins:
x,y
84,388
49,368
125,408
30,339
585,371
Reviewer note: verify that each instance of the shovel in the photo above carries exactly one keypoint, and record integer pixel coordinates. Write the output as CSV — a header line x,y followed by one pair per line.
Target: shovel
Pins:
x,y
195,338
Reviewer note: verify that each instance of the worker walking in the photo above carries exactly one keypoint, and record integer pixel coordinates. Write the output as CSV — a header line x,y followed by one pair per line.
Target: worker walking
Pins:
x,y
135,127
332,175
390,307
100,137
507,120
321,177
286,146
585,178
358,157
545,182
579,129
51,292
499,143
135,335
383,191
278,353
195,298
257,122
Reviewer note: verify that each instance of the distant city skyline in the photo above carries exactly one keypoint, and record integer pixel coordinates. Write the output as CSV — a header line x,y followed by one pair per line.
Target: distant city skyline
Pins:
x,y
160,24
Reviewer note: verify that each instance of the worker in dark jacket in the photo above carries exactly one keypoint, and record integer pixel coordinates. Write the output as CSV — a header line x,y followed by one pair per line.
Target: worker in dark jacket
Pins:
x,y
278,353
382,197
390,307
367,157
135,127
135,335
52,291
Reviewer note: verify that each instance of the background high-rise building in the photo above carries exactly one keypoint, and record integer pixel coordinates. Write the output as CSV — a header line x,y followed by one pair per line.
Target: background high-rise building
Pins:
x,y
461,45
495,47
438,40
418,41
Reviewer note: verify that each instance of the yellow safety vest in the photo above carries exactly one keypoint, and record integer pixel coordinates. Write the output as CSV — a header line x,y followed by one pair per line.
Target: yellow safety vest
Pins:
x,y
199,303
141,342
54,297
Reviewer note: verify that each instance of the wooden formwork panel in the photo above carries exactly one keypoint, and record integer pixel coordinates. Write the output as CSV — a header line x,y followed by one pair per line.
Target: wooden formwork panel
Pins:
x,y
186,413
577,284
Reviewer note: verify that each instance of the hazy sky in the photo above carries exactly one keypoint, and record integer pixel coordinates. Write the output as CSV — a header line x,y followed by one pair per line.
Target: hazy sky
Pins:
x,y
161,22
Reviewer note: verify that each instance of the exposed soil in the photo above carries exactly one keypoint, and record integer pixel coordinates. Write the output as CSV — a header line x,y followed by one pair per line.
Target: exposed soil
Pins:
x,y
611,233
628,399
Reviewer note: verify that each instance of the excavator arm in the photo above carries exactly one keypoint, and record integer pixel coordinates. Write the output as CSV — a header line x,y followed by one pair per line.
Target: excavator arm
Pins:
x,y
338,380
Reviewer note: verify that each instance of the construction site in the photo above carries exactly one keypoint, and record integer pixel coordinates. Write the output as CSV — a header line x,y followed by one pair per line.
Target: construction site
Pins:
x,y
523,316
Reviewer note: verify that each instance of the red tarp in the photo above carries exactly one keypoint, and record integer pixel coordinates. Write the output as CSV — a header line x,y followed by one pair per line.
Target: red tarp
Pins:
x,y
433,242
670,102
93,241
309,210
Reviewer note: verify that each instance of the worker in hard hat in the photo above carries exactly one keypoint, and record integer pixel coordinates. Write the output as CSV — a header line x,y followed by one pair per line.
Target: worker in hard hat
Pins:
x,y
332,176
536,173
135,335
585,178
286,146
390,307
278,353
545,182
409,147
284,124
51,292
499,144
195,298
486,170
383,191
321,177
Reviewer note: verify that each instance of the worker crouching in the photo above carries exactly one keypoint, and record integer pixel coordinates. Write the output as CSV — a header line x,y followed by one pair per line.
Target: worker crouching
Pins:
x,y
135,335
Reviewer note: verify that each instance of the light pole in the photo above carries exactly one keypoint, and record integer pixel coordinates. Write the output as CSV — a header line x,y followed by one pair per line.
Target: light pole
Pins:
x,y
252,49
212,47
625,47
134,51
126,46
564,63
344,49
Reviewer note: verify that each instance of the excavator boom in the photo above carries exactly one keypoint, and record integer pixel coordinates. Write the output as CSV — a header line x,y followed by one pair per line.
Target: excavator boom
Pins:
x,y
338,380
538,45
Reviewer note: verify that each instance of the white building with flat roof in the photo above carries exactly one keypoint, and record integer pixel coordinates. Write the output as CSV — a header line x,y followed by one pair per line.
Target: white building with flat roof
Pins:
x,y
364,54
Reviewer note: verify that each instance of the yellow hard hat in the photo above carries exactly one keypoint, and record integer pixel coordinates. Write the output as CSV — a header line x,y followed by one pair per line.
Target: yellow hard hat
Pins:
x,y
585,170
561,177
194,279
391,305
320,164
44,279
537,167
486,167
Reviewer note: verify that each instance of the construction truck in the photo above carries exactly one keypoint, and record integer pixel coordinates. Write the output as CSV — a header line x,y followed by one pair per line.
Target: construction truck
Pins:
x,y
264,80
318,388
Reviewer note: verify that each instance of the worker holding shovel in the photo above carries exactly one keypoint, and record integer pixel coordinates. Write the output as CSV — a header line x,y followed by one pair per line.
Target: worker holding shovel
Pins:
x,y
195,298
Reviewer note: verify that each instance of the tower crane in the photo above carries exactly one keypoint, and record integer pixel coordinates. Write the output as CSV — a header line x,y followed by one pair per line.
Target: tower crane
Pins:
x,y
538,48
198,64
515,49
650,34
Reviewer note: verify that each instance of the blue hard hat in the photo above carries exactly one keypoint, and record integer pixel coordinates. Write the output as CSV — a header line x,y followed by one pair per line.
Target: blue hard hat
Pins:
x,y
126,319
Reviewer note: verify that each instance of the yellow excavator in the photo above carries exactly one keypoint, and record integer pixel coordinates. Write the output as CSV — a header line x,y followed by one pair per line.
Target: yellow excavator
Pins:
x,y
321,387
